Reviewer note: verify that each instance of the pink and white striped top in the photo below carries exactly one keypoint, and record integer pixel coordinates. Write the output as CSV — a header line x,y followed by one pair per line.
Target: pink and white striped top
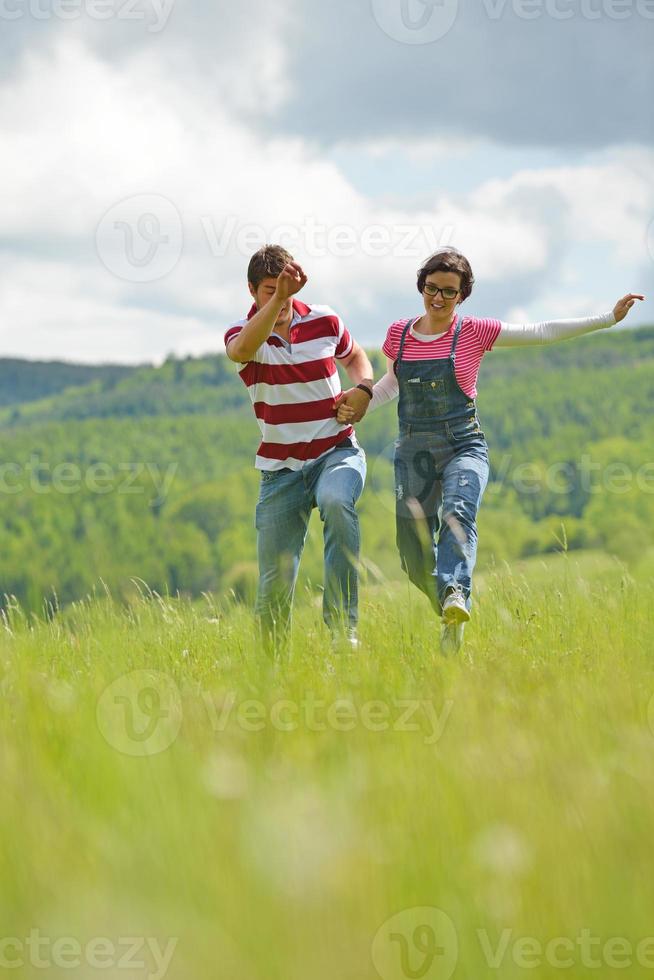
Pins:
x,y
476,338
293,387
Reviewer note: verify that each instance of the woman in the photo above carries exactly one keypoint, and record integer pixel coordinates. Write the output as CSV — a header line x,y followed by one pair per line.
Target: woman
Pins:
x,y
441,456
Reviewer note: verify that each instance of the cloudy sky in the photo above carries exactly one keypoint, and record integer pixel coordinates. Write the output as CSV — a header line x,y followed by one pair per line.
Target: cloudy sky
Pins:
x,y
147,147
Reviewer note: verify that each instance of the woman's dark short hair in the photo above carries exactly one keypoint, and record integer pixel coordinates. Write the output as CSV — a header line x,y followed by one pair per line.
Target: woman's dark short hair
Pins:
x,y
269,261
448,260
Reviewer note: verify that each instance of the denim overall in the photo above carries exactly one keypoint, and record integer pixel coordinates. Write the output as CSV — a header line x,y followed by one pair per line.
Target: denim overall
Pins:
x,y
441,472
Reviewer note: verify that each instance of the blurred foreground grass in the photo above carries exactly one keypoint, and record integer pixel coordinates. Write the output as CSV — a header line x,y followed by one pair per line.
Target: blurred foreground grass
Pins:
x,y
162,781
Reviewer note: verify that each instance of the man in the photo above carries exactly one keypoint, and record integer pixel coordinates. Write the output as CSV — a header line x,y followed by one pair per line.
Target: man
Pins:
x,y
288,351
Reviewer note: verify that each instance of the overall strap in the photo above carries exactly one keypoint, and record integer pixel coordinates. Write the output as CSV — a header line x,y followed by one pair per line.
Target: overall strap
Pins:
x,y
402,342
457,331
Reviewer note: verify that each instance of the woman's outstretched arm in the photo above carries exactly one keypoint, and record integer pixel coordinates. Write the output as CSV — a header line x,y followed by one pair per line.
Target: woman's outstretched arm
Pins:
x,y
552,331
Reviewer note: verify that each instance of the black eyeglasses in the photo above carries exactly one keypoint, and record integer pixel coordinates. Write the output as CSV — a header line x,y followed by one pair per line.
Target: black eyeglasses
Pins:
x,y
447,293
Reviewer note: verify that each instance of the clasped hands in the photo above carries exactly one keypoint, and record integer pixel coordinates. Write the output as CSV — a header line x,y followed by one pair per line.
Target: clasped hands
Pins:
x,y
351,406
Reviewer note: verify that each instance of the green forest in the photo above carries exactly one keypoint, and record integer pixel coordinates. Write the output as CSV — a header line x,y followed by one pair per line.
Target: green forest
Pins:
x,y
111,477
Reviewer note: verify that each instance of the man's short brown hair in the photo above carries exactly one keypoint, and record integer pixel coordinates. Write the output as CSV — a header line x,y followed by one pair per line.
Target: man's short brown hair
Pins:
x,y
269,261
448,260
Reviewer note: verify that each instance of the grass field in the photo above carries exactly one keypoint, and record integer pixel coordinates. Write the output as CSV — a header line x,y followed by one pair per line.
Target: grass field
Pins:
x,y
174,805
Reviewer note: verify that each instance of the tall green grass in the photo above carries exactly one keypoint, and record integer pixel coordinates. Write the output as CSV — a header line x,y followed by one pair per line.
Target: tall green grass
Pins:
x,y
512,788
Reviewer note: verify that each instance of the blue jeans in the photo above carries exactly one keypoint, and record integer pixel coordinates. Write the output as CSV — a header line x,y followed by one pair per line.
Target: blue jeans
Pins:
x,y
333,483
439,485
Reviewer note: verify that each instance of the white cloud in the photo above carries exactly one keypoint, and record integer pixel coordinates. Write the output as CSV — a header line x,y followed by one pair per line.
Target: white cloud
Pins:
x,y
48,312
96,134
610,201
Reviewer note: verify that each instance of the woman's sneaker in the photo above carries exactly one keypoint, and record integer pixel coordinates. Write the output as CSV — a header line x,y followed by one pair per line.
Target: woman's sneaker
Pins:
x,y
454,607
345,640
451,638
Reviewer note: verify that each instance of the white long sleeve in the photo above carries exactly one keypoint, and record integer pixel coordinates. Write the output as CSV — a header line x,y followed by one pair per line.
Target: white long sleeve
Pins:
x,y
511,335
550,331
385,390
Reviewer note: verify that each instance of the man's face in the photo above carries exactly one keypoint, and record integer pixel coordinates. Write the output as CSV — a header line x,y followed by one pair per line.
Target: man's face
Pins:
x,y
265,292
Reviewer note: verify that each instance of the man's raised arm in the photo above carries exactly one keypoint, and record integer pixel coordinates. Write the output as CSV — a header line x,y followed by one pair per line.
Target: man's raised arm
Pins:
x,y
256,331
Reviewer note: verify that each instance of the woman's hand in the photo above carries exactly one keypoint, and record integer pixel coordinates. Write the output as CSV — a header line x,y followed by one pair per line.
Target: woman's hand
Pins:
x,y
345,414
623,305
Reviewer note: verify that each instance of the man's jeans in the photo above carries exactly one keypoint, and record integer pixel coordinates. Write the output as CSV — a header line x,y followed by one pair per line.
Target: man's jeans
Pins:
x,y
333,483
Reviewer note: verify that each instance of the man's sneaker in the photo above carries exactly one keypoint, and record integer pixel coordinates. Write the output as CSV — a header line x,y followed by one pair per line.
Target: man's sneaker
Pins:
x,y
451,638
454,607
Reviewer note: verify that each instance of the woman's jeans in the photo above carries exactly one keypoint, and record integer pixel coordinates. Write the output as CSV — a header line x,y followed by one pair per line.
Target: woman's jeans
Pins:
x,y
439,484
332,483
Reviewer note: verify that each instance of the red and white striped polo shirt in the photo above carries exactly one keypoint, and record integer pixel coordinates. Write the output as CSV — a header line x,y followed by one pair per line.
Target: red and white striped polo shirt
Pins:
x,y
476,338
294,385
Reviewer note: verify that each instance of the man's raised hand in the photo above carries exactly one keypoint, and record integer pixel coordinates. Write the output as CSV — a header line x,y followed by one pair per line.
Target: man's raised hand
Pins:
x,y
623,305
290,281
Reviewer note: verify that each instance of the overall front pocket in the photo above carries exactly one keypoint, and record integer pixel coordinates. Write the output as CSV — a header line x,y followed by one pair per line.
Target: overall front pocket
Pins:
x,y
462,430
424,399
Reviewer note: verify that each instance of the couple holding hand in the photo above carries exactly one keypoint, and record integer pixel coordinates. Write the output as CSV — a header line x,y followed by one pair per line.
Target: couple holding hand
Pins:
x,y
309,455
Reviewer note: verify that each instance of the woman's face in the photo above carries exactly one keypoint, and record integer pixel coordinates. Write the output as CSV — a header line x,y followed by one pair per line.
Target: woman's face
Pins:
x,y
437,305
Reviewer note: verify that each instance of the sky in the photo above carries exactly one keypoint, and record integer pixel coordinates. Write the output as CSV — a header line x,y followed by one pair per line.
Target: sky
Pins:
x,y
148,147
